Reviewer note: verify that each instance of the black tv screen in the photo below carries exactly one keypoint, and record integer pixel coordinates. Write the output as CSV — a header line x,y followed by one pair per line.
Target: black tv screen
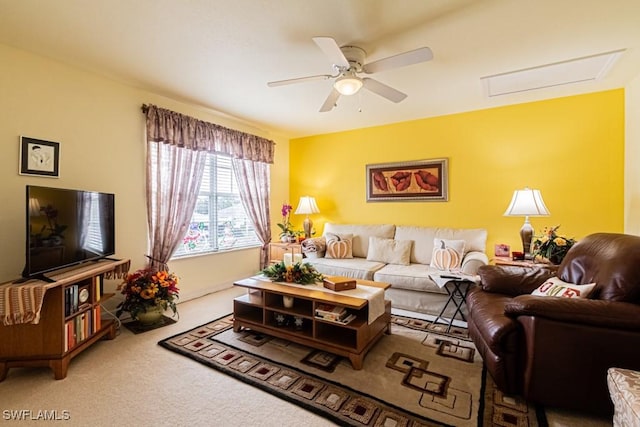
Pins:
x,y
67,227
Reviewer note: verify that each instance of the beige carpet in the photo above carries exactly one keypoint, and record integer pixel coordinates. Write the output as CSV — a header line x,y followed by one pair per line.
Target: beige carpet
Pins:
x,y
133,381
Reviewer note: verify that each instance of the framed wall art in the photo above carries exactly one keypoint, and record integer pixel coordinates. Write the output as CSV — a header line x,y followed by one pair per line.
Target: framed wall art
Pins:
x,y
421,180
39,157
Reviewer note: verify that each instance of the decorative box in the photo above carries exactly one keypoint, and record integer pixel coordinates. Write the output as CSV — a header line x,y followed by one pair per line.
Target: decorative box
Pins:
x,y
339,283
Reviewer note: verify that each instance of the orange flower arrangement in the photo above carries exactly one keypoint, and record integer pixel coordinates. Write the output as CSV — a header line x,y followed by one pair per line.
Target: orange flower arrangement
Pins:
x,y
552,246
146,288
301,273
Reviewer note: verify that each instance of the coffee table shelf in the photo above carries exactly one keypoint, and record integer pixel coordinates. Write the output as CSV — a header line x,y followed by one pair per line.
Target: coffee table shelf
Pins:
x,y
258,309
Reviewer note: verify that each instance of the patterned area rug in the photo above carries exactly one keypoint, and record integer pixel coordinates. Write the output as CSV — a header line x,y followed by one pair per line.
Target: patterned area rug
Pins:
x,y
417,376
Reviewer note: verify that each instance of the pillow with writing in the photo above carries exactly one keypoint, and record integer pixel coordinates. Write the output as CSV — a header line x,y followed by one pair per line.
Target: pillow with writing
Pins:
x,y
447,254
554,287
339,246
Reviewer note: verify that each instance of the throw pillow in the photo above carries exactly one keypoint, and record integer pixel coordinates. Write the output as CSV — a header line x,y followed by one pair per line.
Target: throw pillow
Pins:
x,y
339,246
555,287
447,254
389,251
314,247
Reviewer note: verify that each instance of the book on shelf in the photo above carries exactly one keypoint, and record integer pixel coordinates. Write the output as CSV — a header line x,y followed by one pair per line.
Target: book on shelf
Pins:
x,y
70,300
98,287
344,321
331,312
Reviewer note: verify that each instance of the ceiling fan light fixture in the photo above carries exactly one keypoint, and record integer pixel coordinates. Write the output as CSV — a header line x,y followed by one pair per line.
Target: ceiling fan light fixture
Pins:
x,y
348,85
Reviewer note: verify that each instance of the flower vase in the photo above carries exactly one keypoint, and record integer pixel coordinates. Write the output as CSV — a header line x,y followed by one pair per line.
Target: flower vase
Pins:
x,y
151,316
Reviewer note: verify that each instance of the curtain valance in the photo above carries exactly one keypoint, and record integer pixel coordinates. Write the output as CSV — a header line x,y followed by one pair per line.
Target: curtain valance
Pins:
x,y
177,129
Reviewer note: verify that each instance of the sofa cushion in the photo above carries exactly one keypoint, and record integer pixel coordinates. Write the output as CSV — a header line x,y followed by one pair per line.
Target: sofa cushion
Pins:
x,y
447,254
557,288
357,268
415,277
339,246
624,389
422,249
361,234
389,251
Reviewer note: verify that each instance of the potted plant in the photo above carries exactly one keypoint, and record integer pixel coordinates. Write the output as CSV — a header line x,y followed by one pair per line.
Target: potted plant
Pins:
x,y
147,294
287,234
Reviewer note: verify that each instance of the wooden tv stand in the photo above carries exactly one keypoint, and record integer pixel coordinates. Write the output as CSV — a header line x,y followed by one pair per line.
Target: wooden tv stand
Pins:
x,y
257,310
65,328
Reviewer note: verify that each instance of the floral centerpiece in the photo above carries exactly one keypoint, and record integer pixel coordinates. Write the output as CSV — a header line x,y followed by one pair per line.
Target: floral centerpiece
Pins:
x,y
286,228
148,290
300,273
552,246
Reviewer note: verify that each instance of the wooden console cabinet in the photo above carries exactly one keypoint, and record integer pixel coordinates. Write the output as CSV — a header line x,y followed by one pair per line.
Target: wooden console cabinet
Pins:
x,y
68,325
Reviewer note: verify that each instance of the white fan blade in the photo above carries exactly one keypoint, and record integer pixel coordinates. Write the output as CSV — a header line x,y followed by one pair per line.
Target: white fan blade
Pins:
x,y
299,80
330,102
383,90
332,50
422,54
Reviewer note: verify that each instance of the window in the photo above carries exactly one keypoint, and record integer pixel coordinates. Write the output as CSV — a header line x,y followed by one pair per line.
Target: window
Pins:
x,y
219,221
94,230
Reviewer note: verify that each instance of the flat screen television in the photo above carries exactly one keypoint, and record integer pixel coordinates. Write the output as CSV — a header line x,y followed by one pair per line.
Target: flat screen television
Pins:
x,y
66,227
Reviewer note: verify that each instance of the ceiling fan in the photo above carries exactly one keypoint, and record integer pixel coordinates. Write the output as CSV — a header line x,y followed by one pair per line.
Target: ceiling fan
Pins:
x,y
348,62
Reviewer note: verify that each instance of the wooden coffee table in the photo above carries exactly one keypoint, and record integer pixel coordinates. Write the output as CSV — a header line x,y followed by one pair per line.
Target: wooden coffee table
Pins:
x,y
262,309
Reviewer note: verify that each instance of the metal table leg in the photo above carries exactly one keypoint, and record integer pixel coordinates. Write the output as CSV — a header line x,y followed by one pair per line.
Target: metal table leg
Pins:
x,y
457,294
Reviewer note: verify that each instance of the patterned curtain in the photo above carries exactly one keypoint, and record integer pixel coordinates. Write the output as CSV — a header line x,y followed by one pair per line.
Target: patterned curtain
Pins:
x,y
177,148
173,181
254,183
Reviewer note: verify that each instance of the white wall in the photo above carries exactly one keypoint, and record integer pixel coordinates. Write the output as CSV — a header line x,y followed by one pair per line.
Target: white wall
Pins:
x,y
100,126
632,158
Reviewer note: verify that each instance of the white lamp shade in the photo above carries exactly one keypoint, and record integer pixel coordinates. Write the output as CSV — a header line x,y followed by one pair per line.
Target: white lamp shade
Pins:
x,y
34,207
348,85
527,202
307,205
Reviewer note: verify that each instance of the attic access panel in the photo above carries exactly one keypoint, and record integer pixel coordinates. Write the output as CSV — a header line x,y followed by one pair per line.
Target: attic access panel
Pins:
x,y
577,70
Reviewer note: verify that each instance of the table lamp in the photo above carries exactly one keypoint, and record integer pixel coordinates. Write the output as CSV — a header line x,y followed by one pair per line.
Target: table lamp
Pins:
x,y
306,206
526,203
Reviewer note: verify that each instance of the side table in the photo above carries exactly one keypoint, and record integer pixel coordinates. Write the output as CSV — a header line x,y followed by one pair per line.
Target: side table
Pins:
x,y
522,263
277,250
457,286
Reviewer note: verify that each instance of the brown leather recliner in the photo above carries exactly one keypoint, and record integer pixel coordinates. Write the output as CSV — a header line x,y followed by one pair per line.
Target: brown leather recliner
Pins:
x,y
556,351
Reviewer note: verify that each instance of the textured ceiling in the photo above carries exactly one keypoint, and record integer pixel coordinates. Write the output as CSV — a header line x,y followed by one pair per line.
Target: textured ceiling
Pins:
x,y
220,54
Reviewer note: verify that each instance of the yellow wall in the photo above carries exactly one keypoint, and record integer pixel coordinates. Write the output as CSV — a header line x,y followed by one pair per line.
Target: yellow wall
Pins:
x,y
100,127
571,149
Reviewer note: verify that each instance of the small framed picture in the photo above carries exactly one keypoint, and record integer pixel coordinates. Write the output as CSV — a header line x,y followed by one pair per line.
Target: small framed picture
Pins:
x,y
39,157
502,250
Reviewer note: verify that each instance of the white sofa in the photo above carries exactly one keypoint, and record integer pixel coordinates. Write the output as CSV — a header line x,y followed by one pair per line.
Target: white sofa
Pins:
x,y
411,287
